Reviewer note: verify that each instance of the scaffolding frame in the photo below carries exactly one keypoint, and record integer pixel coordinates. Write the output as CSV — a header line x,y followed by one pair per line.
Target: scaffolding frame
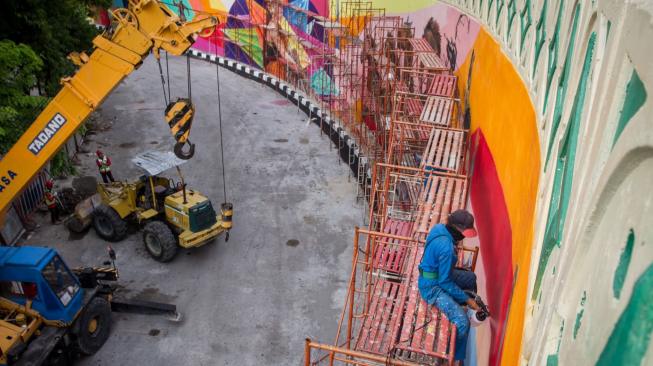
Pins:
x,y
399,102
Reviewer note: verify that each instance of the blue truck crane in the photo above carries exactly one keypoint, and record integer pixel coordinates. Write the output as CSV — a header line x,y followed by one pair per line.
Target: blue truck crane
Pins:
x,y
50,314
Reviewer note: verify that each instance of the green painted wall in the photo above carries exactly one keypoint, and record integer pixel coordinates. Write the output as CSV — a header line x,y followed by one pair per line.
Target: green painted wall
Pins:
x,y
635,98
564,172
630,337
622,267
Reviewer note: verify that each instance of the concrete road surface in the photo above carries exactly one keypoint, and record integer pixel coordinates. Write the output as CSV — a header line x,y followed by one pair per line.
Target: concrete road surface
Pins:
x,y
282,275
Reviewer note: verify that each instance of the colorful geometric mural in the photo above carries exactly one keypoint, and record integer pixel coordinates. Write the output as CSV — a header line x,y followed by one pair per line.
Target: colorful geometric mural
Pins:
x,y
555,99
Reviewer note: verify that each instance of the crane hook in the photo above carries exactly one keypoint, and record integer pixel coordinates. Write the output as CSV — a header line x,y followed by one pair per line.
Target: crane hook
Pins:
x,y
185,155
179,116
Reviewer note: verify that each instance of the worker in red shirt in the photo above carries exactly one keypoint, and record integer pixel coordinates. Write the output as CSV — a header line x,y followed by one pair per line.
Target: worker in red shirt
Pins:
x,y
104,165
51,201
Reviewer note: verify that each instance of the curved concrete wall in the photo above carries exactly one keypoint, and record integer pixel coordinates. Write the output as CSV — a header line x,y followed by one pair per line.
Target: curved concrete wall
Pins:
x,y
558,93
580,279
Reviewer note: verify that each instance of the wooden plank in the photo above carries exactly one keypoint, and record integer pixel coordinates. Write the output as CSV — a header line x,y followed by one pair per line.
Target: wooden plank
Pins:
x,y
381,343
414,107
426,111
431,201
448,197
430,331
437,110
443,85
392,247
378,315
410,302
446,151
420,45
444,330
403,249
367,323
446,121
454,156
437,162
409,315
437,210
417,341
393,324
458,199
378,252
432,146
435,87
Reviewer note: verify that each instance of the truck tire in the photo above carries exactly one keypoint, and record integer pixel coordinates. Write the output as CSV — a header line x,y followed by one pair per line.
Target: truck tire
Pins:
x,y
108,224
159,241
94,326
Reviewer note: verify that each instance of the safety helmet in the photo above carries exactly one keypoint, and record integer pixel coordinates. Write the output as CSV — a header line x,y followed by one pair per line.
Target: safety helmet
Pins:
x,y
99,152
49,184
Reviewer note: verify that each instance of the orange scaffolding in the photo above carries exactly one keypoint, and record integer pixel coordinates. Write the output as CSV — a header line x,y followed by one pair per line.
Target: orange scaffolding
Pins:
x,y
400,103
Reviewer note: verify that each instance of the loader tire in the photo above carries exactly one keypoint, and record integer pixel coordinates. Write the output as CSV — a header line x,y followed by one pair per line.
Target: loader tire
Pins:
x,y
159,241
94,326
108,224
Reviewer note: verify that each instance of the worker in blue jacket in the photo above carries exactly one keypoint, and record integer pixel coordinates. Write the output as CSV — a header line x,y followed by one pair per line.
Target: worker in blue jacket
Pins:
x,y
441,284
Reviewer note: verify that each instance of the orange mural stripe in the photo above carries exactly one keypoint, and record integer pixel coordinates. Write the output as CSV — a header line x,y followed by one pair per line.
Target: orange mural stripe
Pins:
x,y
501,107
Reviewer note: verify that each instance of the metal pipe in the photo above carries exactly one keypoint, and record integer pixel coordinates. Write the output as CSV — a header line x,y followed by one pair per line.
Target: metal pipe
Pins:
x,y
151,179
420,170
307,352
358,354
387,235
352,290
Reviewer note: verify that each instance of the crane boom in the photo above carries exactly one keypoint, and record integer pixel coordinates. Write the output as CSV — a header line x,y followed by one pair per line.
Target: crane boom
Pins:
x,y
146,26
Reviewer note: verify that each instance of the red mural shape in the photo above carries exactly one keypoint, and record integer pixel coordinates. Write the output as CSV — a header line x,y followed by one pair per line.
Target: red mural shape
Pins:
x,y
495,236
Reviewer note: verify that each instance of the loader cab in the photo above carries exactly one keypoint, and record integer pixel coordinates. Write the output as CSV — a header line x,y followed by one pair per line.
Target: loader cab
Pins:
x,y
40,275
185,209
152,191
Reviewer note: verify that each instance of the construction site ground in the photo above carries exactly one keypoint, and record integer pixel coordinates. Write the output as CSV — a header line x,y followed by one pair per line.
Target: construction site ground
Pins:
x,y
281,277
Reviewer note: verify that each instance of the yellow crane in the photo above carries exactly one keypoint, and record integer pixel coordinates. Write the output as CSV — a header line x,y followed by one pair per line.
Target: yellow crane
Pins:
x,y
50,313
147,26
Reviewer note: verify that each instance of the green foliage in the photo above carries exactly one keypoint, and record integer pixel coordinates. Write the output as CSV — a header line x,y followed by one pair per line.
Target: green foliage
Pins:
x,y
61,165
18,68
52,30
36,36
82,130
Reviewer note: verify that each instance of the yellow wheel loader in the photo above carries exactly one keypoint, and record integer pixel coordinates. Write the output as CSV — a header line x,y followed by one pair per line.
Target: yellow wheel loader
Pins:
x,y
170,214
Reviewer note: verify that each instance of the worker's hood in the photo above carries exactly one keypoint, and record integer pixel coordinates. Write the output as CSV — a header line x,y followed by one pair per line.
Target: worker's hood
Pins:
x,y
437,231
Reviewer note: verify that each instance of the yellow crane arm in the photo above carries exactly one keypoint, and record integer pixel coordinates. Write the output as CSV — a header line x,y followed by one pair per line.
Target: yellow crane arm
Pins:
x,y
146,26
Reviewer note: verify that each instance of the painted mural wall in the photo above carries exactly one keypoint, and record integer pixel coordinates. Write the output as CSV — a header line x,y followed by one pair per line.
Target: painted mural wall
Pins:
x,y
562,165
562,153
585,74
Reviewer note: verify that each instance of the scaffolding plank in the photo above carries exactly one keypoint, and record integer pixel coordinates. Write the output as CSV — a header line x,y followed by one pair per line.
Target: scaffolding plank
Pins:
x,y
414,107
455,155
416,342
382,341
443,85
420,342
391,254
430,61
444,330
381,323
437,110
442,194
380,316
367,323
420,45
